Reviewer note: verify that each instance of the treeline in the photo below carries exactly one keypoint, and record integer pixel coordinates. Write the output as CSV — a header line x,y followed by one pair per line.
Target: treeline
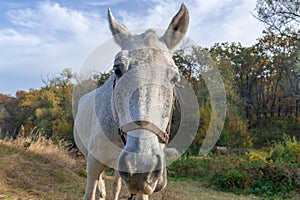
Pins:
x,y
46,111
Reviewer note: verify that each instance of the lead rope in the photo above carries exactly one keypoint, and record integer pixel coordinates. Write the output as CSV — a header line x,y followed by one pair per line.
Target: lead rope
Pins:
x,y
132,197
122,135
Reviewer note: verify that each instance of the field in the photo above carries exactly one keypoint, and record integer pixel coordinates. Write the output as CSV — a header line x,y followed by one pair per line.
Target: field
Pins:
x,y
46,171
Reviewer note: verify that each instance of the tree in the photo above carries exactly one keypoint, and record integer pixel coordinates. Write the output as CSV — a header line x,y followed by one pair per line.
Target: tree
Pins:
x,y
10,117
227,58
195,63
49,109
279,14
283,16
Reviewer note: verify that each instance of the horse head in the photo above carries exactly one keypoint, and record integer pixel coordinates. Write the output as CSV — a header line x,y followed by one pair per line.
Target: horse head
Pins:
x,y
142,100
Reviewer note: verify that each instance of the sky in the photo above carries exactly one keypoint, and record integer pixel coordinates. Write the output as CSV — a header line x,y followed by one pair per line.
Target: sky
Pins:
x,y
38,39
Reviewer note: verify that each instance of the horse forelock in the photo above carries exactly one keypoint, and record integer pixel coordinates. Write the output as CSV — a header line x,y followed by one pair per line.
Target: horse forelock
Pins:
x,y
150,38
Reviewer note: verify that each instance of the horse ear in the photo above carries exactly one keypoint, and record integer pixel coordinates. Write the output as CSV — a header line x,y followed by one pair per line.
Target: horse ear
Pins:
x,y
177,28
120,31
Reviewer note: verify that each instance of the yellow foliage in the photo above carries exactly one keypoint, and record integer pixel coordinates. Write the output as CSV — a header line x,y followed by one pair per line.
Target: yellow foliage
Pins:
x,y
254,156
294,145
31,98
40,112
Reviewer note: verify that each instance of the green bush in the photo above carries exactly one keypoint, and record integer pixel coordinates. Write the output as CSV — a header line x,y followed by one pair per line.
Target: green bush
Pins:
x,y
233,180
189,167
272,173
261,178
272,180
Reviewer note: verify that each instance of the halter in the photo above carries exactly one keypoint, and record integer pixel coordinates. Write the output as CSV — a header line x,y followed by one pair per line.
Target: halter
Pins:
x,y
163,135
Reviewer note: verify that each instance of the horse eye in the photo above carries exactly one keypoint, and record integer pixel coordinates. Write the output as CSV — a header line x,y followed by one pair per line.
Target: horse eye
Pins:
x,y
117,70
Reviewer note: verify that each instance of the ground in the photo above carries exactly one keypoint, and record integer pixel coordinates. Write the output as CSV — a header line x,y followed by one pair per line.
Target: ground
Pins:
x,y
53,174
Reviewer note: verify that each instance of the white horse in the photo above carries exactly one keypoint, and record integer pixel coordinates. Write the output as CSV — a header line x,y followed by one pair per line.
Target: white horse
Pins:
x,y
123,124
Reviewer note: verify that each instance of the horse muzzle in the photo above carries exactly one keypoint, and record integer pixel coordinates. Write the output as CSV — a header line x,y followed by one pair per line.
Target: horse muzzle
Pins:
x,y
141,165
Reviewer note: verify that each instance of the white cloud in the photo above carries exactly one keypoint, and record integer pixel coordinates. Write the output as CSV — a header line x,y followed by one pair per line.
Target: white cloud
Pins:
x,y
47,38
224,21
242,26
10,37
51,19
157,16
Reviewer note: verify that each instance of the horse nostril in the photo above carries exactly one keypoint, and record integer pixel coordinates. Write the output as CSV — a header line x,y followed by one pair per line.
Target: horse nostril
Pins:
x,y
159,162
124,175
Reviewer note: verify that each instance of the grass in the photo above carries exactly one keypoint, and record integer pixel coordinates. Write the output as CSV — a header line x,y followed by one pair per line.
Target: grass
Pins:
x,y
43,170
38,170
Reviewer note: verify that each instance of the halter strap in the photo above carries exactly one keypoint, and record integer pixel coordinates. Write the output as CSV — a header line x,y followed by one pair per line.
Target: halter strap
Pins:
x,y
162,135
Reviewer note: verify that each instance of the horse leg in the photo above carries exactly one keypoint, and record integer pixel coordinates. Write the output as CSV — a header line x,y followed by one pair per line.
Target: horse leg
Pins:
x,y
116,187
101,192
95,188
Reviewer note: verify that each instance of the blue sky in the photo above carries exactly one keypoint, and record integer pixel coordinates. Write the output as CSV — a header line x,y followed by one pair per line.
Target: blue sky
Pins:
x,y
41,38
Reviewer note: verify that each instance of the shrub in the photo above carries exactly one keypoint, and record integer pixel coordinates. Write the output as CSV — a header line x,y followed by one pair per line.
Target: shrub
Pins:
x,y
258,177
273,173
233,180
276,179
287,151
189,167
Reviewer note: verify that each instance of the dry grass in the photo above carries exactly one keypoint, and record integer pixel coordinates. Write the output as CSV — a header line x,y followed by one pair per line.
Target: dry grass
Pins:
x,y
44,147
39,171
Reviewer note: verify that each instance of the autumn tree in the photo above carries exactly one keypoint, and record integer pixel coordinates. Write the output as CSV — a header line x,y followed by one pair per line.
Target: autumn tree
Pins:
x,y
49,109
